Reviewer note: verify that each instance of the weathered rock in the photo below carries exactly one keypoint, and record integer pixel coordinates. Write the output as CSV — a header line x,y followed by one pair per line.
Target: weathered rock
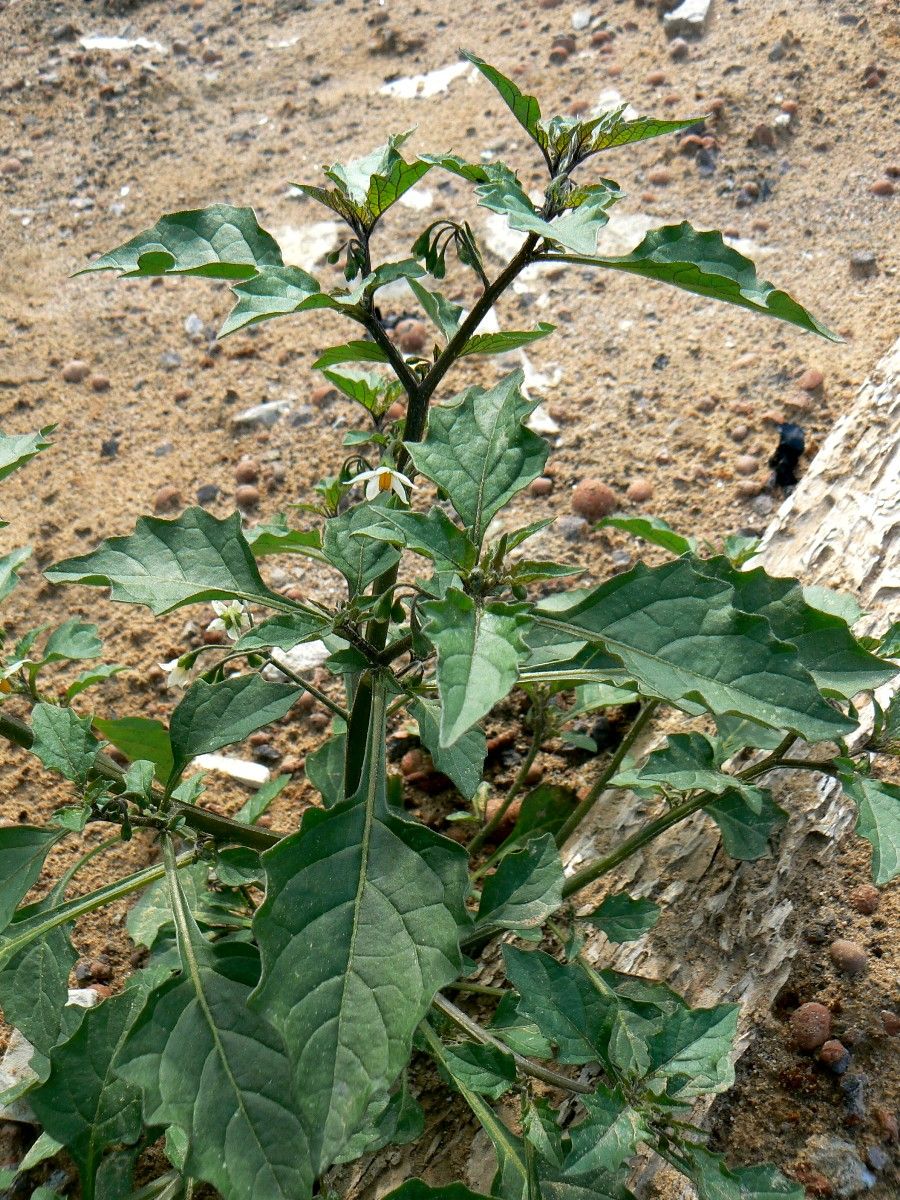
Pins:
x,y
592,499
688,19
811,379
639,491
247,471
247,496
261,416
835,1056
865,898
848,956
166,499
810,1025
863,264
839,1163
76,371
207,493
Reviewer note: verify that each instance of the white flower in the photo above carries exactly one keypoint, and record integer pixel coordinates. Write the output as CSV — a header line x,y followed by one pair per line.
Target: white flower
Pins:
x,y
179,671
232,617
383,479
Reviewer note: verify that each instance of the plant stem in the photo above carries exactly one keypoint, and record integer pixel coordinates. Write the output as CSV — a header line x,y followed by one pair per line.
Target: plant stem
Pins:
x,y
308,687
581,811
394,356
478,1034
516,786
479,989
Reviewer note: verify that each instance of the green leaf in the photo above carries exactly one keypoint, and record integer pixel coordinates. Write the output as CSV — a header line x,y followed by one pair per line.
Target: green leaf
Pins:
x,y
487,1069
607,1137
9,566
415,1189
72,640
276,291
525,889
91,677
63,741
889,645
463,762
167,564
827,648
83,1103
375,393
591,696
359,559
381,897
678,634
611,130
502,343
524,108
691,1054
277,537
651,529
479,646
152,911
401,1122
544,810
746,830
574,230
140,738
206,1062
624,918
251,810
213,715
220,242
348,352
444,313
765,1182
479,451
15,451
714,1180
325,768
686,762
369,185
283,632
34,991
878,822
431,534
703,263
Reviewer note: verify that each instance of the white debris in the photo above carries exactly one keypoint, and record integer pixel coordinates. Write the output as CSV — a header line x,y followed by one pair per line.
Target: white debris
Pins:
x,y
624,231
306,245
503,243
539,382
688,19
252,773
420,87
418,199
301,659
581,18
540,421
97,41
193,327
609,99
261,416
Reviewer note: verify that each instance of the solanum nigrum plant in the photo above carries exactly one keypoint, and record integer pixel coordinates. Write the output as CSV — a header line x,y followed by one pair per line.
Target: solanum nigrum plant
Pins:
x,y
293,975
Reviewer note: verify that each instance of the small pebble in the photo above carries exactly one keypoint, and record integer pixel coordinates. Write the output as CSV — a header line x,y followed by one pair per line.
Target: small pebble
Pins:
x,y
835,1056
109,448
601,37
891,1022
882,187
811,379
76,371
509,817
678,49
639,491
542,486
571,528
887,1122
415,761
11,166
854,1089
877,1158
247,496
207,493
656,78
549,3
99,383
592,499
659,176
848,956
810,1025
865,898
863,264
412,336
763,135
166,499
739,433
247,471
745,464
559,55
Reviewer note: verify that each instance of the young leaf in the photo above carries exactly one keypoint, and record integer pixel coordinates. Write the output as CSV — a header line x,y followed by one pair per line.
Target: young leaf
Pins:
x,y
544,810
63,741
359,559
687,761
746,830
704,264
83,1103
502,343
382,897
251,810
375,393
140,738
401,1122
691,1054
524,108
463,762
624,918
612,130
167,564
607,1137
275,292
524,890
431,534
9,566
487,1070
16,449
651,529
479,647
91,677
284,632
703,651
350,352
152,912
73,639
878,822
325,768
277,537
444,313
575,230
220,242
369,185
213,715
208,1063
479,451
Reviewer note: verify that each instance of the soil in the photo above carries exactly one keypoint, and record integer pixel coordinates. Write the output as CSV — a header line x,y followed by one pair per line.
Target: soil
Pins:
x,y
654,385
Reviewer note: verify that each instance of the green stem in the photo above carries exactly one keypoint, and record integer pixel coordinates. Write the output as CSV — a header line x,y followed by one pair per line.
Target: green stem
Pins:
x,y
479,989
581,811
308,687
517,784
67,876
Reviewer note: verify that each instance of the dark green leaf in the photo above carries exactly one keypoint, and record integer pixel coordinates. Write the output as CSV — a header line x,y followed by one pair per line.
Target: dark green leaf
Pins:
x,y
680,637
691,1054
63,741
651,529
686,762
607,1137
746,823
284,632
275,292
544,810
502,343
91,677
9,566
624,918
445,315
349,352
251,810
167,564
72,640
525,889
890,642
34,991
375,393
878,822
213,715
463,762
704,264
487,1070
479,451
524,108
277,537
140,738
359,559
415,1189
152,911
221,242
479,647
325,768
401,1122
431,534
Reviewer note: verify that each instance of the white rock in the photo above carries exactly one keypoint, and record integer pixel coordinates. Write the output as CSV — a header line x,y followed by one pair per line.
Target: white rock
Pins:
x,y
418,199
581,18
301,659
261,416
420,87
306,245
538,382
193,327
688,19
540,421
97,41
251,773
609,99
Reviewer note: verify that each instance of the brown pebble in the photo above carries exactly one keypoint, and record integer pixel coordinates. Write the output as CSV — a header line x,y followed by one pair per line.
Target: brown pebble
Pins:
x,y
678,49
99,383
166,499
319,721
247,496
848,956
414,761
639,491
542,486
659,176
214,637
810,1025
832,1052
655,78
614,69
397,411
739,433
321,394
412,336
592,499
11,166
705,404
887,1121
763,135
745,464
559,55
882,187
76,371
811,379
549,3
509,817
247,471
789,106
181,395
891,1022
600,37
534,774
749,488
865,898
